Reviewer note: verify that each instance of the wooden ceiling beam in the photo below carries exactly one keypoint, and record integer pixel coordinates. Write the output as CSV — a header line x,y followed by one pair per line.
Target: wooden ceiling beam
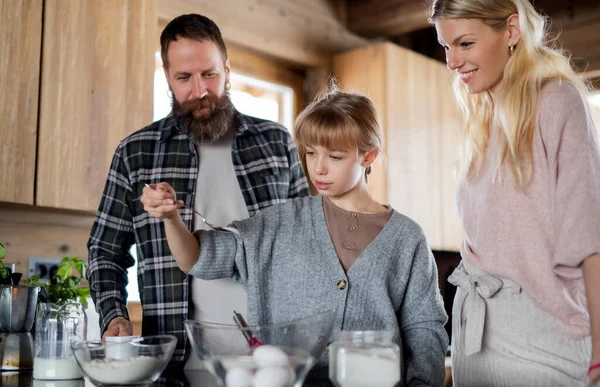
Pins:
x,y
304,33
387,18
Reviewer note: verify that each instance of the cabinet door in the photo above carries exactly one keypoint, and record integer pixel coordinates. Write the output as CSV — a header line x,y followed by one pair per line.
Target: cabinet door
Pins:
x,y
96,88
20,45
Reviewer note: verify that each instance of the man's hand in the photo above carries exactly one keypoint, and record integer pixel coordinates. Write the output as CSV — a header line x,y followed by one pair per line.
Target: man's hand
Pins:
x,y
159,201
118,326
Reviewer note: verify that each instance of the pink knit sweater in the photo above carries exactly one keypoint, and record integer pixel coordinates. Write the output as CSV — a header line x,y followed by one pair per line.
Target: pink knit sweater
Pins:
x,y
539,238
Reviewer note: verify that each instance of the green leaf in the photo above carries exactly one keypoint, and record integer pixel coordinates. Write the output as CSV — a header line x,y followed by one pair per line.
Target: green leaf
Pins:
x,y
64,294
83,292
2,251
3,272
34,280
80,266
64,271
69,282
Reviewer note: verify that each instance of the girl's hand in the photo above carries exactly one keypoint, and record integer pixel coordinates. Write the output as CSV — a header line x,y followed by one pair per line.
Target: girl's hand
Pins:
x,y
160,201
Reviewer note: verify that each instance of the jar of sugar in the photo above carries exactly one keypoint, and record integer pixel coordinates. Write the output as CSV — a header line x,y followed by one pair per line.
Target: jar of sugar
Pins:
x,y
365,358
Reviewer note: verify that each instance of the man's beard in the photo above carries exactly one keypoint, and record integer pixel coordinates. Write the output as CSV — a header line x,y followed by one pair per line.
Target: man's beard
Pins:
x,y
207,126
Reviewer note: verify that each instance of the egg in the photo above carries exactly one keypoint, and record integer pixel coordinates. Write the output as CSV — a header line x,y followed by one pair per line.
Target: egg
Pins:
x,y
274,377
238,377
270,356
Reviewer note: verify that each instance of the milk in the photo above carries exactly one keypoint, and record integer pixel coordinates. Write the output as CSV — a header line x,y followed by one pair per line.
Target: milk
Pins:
x,y
365,369
56,368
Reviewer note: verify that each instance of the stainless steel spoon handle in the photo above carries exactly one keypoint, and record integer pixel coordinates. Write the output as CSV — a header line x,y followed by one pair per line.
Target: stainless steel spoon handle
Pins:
x,y
196,211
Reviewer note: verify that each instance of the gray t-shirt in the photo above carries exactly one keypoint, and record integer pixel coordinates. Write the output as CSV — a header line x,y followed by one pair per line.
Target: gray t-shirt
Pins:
x,y
219,198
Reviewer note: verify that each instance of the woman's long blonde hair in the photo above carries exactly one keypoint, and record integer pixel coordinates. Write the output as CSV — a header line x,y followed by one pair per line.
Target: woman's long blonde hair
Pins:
x,y
532,64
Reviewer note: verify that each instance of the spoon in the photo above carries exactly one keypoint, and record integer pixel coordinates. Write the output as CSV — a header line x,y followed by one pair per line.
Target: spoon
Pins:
x,y
196,211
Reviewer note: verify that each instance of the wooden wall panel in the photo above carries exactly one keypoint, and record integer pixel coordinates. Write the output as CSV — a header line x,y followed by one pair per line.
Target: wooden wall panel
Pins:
x,y
414,173
451,124
97,77
28,231
362,70
20,49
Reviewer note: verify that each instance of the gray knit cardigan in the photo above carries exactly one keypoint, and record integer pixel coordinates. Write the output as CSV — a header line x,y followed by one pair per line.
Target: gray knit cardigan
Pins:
x,y
287,262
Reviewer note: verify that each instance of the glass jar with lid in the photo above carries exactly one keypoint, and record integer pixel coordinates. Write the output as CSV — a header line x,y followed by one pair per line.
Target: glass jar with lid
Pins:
x,y
365,358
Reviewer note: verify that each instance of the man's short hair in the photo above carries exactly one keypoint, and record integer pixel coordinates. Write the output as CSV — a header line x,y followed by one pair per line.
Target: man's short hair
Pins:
x,y
191,26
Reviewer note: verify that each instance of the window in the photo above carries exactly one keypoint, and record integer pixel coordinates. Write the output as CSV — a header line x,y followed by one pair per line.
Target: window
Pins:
x,y
262,99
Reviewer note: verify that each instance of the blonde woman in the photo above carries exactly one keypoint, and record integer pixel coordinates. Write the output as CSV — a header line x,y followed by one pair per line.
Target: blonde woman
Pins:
x,y
528,198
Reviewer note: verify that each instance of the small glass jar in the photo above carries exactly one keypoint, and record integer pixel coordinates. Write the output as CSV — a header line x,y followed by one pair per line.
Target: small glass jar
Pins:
x,y
365,358
56,328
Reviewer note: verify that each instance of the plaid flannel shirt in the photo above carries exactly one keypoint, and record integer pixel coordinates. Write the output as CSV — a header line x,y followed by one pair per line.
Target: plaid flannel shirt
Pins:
x,y
267,166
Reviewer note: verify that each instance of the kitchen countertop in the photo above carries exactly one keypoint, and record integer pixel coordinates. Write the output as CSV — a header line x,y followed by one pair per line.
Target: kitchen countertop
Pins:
x,y
169,378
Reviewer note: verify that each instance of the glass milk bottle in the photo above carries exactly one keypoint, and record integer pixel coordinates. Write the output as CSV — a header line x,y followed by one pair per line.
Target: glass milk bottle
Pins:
x,y
365,359
56,328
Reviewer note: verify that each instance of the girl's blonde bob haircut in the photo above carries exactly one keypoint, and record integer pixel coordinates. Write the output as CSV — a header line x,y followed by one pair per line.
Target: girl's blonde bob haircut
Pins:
x,y
340,121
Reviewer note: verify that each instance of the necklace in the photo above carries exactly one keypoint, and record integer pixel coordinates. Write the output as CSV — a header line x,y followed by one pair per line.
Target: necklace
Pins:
x,y
367,206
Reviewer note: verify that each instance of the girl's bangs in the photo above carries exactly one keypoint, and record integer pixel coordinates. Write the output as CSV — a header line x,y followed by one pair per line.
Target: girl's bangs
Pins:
x,y
334,133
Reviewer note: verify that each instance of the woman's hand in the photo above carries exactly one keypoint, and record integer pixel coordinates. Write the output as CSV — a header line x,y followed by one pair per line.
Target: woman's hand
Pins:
x,y
160,201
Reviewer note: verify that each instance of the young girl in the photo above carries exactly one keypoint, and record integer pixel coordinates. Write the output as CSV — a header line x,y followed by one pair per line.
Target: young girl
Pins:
x,y
529,201
340,250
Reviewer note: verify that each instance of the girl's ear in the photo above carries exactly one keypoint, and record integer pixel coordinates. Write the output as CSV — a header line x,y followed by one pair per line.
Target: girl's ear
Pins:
x,y
370,157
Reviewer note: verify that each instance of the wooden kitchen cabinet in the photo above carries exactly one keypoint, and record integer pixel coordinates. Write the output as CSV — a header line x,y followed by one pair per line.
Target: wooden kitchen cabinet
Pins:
x,y
421,122
21,32
96,87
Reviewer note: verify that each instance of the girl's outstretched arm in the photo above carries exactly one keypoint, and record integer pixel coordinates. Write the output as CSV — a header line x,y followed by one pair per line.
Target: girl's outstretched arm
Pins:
x,y
159,201
184,247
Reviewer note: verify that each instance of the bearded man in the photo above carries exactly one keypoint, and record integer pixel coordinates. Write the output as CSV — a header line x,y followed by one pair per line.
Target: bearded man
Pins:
x,y
222,163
